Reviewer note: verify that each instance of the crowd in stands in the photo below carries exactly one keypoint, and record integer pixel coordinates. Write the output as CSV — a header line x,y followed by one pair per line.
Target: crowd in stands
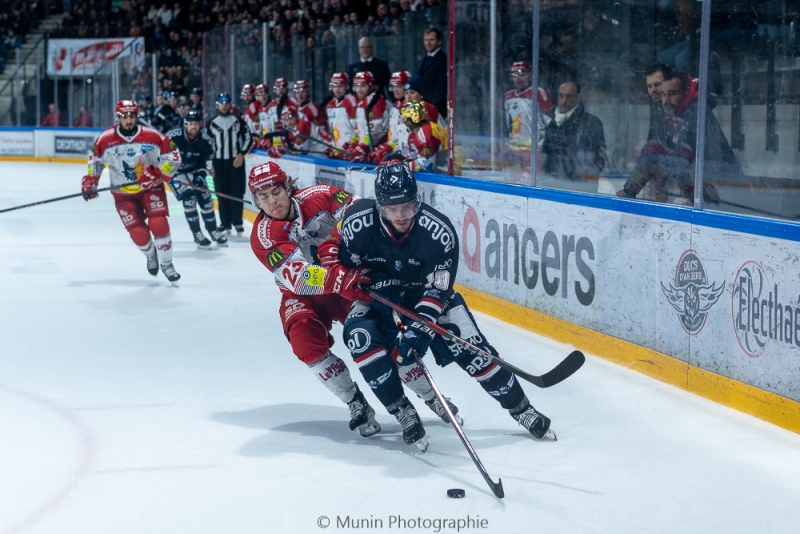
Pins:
x,y
17,20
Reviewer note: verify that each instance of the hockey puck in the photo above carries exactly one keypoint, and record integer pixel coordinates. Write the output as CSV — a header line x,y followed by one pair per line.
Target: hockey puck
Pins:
x,y
455,493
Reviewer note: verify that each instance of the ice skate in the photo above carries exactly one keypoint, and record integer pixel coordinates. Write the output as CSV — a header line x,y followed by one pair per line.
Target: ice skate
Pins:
x,y
219,238
413,431
536,423
239,230
152,262
202,241
362,416
438,409
170,272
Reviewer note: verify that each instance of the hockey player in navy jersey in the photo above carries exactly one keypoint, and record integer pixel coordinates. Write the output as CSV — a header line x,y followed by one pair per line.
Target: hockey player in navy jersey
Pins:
x,y
189,183
411,252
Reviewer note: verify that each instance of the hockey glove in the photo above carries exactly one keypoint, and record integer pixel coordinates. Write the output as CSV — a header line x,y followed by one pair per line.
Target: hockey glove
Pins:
x,y
276,152
347,283
328,253
89,187
416,338
181,189
358,153
199,178
150,178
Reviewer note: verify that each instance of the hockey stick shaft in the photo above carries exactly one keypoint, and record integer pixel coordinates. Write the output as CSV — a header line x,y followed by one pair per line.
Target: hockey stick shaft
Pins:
x,y
560,372
322,142
496,487
65,197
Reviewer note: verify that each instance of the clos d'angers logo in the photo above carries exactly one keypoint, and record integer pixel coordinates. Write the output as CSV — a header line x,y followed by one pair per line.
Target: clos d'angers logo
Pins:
x,y
692,295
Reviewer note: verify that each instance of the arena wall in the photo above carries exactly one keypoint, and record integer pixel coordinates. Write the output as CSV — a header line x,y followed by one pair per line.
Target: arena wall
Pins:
x,y
705,301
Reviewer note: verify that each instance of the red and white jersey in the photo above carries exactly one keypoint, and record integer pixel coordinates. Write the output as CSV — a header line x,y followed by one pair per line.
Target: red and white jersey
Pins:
x,y
271,117
311,112
127,157
252,117
434,116
378,120
342,119
306,132
425,144
288,248
398,133
519,112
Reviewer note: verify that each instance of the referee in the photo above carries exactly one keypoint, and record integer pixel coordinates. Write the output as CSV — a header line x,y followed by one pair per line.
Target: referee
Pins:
x,y
232,140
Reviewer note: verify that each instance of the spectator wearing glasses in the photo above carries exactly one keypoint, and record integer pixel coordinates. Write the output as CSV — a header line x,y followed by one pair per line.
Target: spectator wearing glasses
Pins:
x,y
368,63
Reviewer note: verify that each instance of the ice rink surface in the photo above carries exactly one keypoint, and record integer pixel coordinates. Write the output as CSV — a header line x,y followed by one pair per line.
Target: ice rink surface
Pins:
x,y
130,406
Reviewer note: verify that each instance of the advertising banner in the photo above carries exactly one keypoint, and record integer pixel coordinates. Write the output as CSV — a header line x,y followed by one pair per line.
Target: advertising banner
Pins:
x,y
17,143
72,144
67,57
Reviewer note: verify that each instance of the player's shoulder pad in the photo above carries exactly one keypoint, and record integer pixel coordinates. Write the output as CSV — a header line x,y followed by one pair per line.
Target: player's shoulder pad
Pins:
x,y
438,225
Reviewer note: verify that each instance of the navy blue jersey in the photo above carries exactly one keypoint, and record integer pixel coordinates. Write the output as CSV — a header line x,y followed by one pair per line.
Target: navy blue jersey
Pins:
x,y
419,267
195,154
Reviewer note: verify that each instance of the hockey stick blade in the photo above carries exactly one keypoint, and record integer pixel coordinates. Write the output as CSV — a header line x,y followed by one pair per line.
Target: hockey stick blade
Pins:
x,y
566,368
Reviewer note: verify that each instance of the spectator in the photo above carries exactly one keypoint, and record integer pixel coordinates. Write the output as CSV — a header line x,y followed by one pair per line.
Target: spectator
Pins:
x,y
433,69
53,118
654,76
84,119
574,141
368,63
679,95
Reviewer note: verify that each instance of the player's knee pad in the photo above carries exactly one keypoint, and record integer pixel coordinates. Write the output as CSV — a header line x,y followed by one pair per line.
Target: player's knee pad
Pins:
x,y
190,204
309,340
159,226
140,234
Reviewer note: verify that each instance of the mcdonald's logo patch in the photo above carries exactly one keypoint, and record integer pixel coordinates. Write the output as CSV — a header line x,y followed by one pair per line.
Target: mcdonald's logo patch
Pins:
x,y
275,258
341,197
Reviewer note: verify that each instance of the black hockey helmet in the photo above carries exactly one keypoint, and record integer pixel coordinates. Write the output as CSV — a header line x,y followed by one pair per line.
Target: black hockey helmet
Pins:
x,y
394,184
193,116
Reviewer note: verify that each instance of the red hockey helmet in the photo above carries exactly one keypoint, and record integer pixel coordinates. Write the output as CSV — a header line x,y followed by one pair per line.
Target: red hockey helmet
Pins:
x,y
363,78
340,78
399,78
300,85
126,106
248,89
265,175
280,83
288,112
519,68
261,89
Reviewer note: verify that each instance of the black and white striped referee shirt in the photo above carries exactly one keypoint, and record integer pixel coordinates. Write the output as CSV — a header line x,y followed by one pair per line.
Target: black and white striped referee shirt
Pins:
x,y
231,136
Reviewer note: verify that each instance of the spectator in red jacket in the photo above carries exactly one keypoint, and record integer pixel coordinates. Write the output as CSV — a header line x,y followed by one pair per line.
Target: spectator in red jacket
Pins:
x,y
84,120
53,118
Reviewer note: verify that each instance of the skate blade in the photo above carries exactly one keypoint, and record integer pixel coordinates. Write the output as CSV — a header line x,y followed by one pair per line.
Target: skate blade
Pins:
x,y
369,428
421,444
222,244
459,420
550,435
204,247
175,284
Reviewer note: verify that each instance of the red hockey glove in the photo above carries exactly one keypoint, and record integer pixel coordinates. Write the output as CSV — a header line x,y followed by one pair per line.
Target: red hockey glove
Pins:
x,y
328,253
358,152
276,152
150,178
346,282
380,152
89,187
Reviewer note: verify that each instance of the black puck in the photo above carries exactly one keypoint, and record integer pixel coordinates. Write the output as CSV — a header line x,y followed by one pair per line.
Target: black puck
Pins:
x,y
455,493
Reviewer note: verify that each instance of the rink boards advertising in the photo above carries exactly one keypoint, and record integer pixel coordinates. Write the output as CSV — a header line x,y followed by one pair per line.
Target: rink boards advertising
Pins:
x,y
719,300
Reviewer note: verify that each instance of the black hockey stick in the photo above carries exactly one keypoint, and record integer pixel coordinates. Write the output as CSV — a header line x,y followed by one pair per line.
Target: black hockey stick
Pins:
x,y
496,487
65,197
322,142
560,372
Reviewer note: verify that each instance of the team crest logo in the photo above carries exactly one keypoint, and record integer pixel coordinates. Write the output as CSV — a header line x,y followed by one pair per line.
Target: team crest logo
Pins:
x,y
692,295
341,197
275,258
398,265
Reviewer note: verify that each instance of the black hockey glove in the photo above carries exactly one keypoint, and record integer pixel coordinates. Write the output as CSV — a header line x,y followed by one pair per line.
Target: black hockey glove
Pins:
x,y
199,178
416,338
181,190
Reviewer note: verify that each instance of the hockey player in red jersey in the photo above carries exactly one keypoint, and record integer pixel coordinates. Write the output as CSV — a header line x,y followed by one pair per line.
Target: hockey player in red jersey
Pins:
x,y
426,139
372,117
261,103
145,158
291,225
341,111
301,135
305,107
397,137
519,114
251,110
415,92
274,108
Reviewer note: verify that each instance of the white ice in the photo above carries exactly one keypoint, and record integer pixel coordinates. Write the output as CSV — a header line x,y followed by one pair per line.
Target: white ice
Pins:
x,y
130,406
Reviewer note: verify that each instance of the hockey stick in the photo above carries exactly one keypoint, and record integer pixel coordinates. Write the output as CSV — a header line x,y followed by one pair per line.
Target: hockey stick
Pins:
x,y
560,372
320,141
65,197
497,488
